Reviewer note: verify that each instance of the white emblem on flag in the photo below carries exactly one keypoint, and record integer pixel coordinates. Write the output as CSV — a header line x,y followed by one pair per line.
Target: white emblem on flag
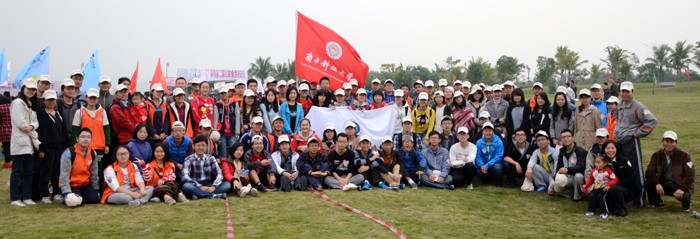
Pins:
x,y
333,50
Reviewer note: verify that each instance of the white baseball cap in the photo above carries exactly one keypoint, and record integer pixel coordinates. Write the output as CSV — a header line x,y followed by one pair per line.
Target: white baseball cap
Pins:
x,y
178,124
365,138
277,117
457,82
438,93
269,80
105,78
488,88
584,92
257,137
248,93
388,81
92,92
458,94
29,83
158,87
429,83
291,82
177,91
46,78
561,89
223,89
537,84
487,125
281,83
473,90
541,133
626,85
303,87
231,86
596,86
347,86
76,72
353,82
387,139
50,94
423,96
361,91
339,92
257,120
442,82
466,84
510,83
196,81
66,82
240,82
407,119
602,132
284,139
350,124
311,139
205,123
463,130
418,82
497,87
613,99
484,114
670,135
375,80
122,87
329,126
398,93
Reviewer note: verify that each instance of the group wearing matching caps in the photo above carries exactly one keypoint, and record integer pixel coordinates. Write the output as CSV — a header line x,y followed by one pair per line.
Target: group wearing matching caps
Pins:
x,y
444,138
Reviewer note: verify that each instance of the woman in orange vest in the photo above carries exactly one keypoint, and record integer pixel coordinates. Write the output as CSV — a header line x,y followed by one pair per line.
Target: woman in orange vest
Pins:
x,y
94,117
158,110
161,176
181,111
125,184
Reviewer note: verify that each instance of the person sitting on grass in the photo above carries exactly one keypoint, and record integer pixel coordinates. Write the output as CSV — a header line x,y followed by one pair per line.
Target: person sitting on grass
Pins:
x,y
78,176
489,156
571,163
255,130
517,156
343,172
201,175
407,130
313,165
437,173
540,168
300,138
597,186
390,167
125,184
328,141
178,146
284,166
258,161
236,172
413,160
462,156
365,161
162,177
670,172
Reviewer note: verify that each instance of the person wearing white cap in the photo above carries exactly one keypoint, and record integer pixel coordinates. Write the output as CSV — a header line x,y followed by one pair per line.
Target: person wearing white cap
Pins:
x,y
462,155
366,163
259,163
25,141
360,103
588,120
240,92
158,112
407,130
489,156
516,156
343,171
180,111
441,109
670,172
417,89
601,136
540,169
467,87
77,77
442,84
497,107
354,84
53,140
429,87
283,165
95,118
610,119
313,165
304,99
572,164
227,119
349,96
328,140
250,109
537,88
389,91
423,116
375,86
563,117
352,132
413,159
488,93
449,95
634,121
448,137
597,99
402,109
67,104
281,91
508,87
272,84
391,167
438,168
462,114
255,129
300,138
339,99
106,97
475,102
43,84
457,85
292,83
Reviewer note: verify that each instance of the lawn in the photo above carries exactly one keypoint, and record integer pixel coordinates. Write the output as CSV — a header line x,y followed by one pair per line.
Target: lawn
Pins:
x,y
424,213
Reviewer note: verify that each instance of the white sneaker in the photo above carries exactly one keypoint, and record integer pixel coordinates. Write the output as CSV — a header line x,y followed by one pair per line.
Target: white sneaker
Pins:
x,y
18,203
154,199
244,191
29,202
58,197
470,187
588,214
46,200
135,203
254,192
349,187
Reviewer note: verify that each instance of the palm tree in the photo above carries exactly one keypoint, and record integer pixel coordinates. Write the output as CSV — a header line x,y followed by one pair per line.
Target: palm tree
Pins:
x,y
261,68
680,57
616,56
661,58
562,55
281,71
596,71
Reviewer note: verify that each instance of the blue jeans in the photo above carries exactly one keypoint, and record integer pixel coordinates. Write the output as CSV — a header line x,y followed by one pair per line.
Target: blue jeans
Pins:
x,y
495,173
226,143
22,173
189,189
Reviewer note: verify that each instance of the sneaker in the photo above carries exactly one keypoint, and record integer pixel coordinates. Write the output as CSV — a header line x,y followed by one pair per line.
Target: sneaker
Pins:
x,y
262,188
394,188
243,192
254,192
658,205
135,203
402,186
169,200
319,187
29,202
46,200
18,203
688,208
696,215
194,197
414,185
588,214
219,195
182,199
271,188
470,186
604,215
451,187
366,185
383,185
349,187
58,197
542,189
154,199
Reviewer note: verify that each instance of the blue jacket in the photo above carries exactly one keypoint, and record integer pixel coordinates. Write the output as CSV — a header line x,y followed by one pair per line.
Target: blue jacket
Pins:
x,y
437,161
601,105
268,114
178,153
488,155
413,160
139,149
285,113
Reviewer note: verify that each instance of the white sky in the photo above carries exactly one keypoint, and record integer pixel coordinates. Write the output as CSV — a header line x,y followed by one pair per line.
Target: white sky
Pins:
x,y
231,34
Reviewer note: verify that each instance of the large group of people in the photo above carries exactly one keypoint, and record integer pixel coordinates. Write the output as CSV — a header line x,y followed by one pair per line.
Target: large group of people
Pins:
x,y
133,148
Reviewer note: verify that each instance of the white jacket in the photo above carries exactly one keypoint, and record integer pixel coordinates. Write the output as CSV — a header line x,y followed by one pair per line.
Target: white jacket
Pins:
x,y
23,116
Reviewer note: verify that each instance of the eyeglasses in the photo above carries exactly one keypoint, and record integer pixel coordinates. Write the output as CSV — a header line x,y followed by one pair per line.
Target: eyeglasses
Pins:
x,y
123,154
85,136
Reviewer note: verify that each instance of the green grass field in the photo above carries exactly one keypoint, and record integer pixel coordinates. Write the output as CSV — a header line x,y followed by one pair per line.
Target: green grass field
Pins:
x,y
424,213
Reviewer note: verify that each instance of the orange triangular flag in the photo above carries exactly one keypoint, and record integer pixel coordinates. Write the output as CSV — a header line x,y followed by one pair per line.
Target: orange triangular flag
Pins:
x,y
158,77
134,78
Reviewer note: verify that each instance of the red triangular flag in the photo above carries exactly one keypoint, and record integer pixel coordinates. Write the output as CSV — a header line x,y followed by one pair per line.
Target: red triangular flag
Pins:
x,y
320,52
134,79
687,74
158,77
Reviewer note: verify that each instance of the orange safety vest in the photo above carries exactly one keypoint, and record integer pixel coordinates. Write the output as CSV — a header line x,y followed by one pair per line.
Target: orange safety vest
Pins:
x,y
120,179
168,169
80,171
96,125
187,121
152,109
610,124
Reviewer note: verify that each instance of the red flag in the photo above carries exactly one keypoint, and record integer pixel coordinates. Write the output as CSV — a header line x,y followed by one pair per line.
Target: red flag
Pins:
x,y
159,78
687,74
134,78
321,53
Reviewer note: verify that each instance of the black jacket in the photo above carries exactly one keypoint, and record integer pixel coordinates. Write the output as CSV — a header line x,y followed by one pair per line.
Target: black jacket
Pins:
x,y
580,166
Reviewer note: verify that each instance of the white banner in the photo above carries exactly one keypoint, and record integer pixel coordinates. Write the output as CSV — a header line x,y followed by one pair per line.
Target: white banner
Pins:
x,y
213,75
374,123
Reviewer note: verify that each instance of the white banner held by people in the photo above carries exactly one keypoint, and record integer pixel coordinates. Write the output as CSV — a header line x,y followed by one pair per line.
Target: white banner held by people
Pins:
x,y
374,123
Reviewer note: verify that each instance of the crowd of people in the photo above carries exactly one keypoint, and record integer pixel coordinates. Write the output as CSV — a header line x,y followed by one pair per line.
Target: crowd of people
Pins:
x,y
132,148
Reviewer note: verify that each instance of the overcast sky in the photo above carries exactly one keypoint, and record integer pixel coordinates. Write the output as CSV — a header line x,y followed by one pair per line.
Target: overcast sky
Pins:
x,y
231,34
